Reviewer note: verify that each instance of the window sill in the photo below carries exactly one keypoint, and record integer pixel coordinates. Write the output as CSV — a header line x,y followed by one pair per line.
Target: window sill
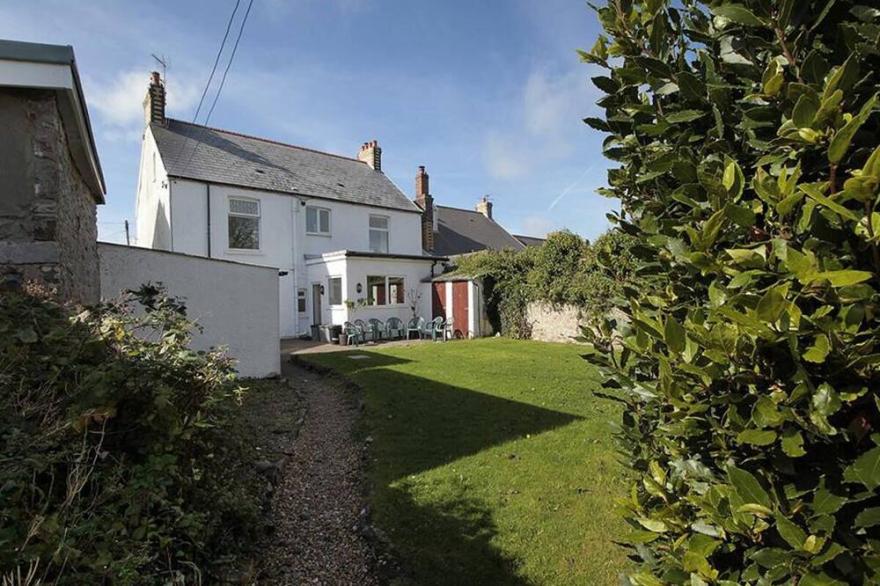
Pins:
x,y
245,251
323,234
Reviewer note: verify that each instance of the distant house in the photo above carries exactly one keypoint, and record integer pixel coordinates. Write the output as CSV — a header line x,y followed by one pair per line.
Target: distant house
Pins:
x,y
530,240
450,231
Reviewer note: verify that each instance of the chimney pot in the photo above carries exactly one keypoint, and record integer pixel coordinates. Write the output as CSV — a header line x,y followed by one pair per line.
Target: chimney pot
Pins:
x,y
484,206
154,102
371,154
425,201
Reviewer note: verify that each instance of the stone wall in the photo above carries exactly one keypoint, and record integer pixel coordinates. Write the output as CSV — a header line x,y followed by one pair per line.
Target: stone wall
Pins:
x,y
48,228
554,323
560,323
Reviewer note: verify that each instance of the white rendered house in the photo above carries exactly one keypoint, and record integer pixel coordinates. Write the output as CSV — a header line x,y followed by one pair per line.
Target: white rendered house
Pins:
x,y
346,241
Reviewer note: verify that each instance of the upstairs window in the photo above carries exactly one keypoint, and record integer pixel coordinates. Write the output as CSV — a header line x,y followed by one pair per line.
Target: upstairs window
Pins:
x,y
317,221
379,234
244,224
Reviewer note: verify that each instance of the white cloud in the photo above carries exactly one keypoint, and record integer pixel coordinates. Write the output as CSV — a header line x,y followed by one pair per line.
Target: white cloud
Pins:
x,y
118,101
505,157
537,226
549,113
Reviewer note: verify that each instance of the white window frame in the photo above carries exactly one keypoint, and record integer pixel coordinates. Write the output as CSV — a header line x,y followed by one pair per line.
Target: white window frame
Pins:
x,y
386,230
258,216
330,291
318,211
387,290
301,296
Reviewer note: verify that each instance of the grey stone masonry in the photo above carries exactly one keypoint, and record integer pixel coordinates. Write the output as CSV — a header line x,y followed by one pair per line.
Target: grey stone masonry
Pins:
x,y
48,228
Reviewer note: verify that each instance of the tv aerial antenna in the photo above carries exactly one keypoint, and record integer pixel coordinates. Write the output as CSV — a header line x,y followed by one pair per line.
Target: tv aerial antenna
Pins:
x,y
163,61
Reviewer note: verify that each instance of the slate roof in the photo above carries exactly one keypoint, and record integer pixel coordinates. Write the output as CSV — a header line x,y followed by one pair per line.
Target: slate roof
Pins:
x,y
231,158
530,240
461,231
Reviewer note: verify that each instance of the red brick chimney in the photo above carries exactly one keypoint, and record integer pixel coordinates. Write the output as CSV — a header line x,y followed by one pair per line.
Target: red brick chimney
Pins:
x,y
154,102
425,201
371,154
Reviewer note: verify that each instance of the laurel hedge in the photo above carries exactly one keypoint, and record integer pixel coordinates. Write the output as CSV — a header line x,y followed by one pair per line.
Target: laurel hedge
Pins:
x,y
746,141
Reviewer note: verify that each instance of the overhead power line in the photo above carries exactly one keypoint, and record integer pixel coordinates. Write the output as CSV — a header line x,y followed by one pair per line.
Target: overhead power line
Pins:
x,y
231,57
222,46
216,60
222,79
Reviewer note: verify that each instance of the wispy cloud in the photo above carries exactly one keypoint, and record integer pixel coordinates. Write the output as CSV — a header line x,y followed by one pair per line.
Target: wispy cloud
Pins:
x,y
546,122
118,101
537,225
569,188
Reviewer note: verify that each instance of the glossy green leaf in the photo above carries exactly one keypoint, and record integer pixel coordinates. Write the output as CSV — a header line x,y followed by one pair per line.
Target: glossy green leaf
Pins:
x,y
790,532
748,487
865,470
737,13
756,437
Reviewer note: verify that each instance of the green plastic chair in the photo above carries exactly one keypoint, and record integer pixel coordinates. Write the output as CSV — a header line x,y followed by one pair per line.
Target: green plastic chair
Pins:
x,y
376,328
394,328
449,329
366,333
352,334
433,328
415,326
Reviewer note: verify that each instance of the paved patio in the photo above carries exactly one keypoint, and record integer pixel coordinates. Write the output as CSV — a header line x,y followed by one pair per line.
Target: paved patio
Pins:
x,y
292,346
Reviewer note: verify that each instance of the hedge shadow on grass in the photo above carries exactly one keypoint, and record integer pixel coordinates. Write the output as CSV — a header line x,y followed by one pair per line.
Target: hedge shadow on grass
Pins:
x,y
417,424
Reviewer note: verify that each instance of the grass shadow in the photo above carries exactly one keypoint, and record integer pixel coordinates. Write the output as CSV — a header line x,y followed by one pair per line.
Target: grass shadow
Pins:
x,y
416,425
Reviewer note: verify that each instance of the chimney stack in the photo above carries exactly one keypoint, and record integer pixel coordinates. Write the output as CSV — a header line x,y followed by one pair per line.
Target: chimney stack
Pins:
x,y
484,206
371,154
154,102
425,201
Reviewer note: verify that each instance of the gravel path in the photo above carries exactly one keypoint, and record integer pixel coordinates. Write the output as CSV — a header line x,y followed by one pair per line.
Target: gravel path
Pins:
x,y
318,501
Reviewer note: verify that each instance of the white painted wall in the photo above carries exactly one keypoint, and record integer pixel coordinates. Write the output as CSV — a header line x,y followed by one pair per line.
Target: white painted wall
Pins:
x,y
350,229
236,304
354,270
283,240
152,205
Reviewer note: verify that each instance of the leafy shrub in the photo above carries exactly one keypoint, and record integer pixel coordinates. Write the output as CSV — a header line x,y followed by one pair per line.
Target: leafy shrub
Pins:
x,y
747,140
108,429
565,270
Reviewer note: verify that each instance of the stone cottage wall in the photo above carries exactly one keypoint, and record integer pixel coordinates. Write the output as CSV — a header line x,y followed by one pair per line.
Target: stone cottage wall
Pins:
x,y
559,323
552,323
48,228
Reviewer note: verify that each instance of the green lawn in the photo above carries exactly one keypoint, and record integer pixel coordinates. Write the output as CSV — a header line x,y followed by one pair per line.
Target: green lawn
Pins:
x,y
492,461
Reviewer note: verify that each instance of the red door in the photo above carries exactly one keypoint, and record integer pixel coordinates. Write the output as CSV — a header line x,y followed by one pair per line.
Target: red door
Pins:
x,y
460,309
438,300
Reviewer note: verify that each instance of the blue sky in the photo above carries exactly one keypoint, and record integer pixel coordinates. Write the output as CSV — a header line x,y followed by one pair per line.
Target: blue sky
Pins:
x,y
488,96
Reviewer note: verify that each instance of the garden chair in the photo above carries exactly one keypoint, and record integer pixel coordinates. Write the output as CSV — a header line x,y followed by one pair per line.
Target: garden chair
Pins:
x,y
366,334
449,329
433,328
352,334
394,328
415,326
376,327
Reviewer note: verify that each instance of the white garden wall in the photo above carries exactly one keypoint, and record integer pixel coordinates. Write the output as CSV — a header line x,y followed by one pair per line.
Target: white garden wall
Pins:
x,y
236,304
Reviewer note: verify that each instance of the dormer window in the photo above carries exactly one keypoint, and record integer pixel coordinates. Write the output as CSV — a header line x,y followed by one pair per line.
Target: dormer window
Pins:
x,y
244,224
317,221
